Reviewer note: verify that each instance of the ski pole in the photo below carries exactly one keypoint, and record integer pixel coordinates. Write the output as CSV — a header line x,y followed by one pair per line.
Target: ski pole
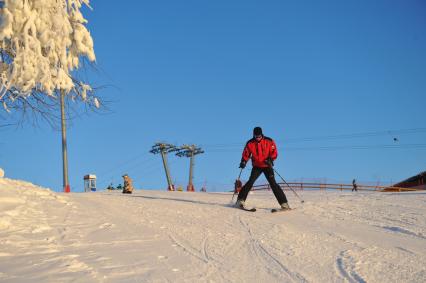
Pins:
x,y
301,200
232,200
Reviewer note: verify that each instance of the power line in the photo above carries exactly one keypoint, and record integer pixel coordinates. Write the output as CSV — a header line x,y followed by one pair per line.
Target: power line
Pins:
x,y
361,147
357,135
326,138
343,147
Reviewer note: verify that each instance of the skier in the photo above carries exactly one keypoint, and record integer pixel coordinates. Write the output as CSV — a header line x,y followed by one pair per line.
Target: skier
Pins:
x,y
263,152
128,184
354,186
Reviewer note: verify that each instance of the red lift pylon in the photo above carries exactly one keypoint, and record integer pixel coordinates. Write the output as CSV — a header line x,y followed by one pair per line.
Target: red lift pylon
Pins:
x,y
190,151
165,148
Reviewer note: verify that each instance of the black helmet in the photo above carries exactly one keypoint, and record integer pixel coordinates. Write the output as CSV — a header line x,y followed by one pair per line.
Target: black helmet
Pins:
x,y
257,131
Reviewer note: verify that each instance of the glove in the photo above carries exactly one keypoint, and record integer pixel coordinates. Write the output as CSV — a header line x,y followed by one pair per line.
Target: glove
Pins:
x,y
242,164
269,162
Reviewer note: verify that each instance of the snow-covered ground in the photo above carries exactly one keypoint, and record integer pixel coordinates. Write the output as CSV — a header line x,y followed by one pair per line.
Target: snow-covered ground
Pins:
x,y
158,236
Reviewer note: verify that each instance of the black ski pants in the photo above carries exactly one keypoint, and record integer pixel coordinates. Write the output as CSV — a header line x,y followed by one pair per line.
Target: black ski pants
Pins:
x,y
269,174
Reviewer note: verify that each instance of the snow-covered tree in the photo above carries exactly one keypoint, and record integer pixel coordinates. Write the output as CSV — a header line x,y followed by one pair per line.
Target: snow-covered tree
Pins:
x,y
42,44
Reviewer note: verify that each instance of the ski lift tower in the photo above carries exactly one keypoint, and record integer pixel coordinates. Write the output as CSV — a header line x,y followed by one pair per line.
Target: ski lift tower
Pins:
x,y
165,148
190,151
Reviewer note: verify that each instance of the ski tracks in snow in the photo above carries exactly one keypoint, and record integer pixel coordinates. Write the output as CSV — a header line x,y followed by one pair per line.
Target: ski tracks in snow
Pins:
x,y
186,237
266,259
346,266
201,255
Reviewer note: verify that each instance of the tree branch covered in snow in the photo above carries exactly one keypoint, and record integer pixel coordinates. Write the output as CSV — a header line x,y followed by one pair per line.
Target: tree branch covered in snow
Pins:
x,y
42,43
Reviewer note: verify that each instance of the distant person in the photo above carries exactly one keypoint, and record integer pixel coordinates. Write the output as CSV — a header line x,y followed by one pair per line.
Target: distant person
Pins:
x,y
128,184
354,185
262,151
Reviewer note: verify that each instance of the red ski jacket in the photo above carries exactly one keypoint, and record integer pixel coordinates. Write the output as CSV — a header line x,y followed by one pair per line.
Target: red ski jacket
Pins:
x,y
260,151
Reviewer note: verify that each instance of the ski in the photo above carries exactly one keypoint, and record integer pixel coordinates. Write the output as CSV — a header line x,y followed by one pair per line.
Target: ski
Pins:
x,y
247,209
274,210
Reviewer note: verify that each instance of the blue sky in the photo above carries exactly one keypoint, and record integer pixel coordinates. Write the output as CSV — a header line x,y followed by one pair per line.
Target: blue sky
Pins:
x,y
320,77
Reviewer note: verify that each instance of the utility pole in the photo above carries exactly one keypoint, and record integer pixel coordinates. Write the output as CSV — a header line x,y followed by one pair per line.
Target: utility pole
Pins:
x,y
163,149
190,151
66,184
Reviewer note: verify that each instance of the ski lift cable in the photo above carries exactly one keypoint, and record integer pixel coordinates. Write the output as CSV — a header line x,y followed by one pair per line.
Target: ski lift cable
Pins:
x,y
134,158
145,169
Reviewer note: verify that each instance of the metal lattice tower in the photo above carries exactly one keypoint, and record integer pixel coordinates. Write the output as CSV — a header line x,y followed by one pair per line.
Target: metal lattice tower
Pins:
x,y
163,149
190,151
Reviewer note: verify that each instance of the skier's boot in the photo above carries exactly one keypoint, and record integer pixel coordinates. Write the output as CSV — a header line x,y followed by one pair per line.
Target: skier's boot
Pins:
x,y
285,206
240,204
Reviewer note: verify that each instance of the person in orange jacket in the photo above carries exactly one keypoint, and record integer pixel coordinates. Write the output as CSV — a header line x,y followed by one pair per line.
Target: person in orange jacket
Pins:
x,y
262,151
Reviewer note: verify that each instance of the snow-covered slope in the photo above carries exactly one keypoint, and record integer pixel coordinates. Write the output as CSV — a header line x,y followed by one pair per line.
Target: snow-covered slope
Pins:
x,y
154,236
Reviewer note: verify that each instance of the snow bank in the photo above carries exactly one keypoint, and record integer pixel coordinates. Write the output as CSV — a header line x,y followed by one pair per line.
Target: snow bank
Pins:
x,y
20,201
153,236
